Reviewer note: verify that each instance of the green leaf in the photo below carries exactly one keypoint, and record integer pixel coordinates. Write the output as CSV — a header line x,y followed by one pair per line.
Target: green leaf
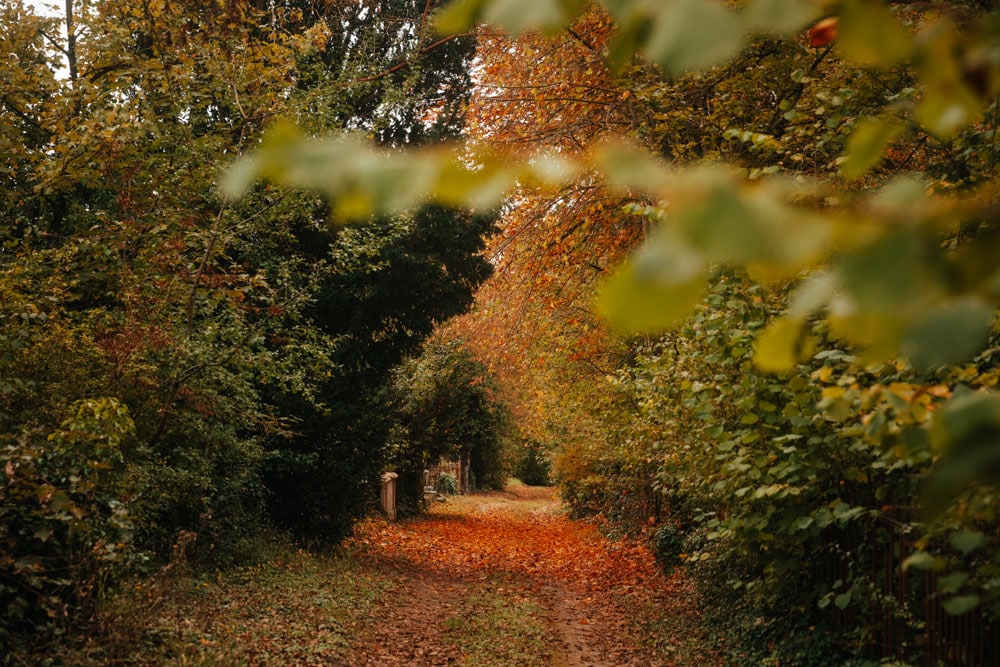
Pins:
x,y
748,224
949,333
479,189
943,113
967,541
360,179
693,34
781,345
901,198
458,16
516,16
960,604
967,429
61,502
669,258
965,416
953,582
812,294
869,34
842,600
867,144
947,104
637,302
882,275
921,560
629,168
780,16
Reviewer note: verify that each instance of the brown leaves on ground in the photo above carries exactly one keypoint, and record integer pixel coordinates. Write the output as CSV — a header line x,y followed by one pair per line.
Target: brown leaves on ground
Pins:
x,y
496,535
486,581
578,598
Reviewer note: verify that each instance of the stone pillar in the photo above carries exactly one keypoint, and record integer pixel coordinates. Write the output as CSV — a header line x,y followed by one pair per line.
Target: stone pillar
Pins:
x,y
389,494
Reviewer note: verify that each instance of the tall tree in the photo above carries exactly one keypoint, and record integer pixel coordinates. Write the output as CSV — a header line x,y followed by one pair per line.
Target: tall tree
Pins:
x,y
447,406
535,322
385,287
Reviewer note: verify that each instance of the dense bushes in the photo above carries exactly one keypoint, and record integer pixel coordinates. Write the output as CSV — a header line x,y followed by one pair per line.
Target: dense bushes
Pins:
x,y
65,525
533,466
217,367
379,291
792,500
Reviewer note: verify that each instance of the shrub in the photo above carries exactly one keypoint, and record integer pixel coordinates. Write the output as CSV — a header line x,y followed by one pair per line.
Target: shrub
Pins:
x,y
65,531
445,405
668,545
534,467
447,484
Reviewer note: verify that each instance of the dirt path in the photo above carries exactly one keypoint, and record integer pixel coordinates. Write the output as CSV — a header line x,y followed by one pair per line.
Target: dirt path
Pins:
x,y
503,579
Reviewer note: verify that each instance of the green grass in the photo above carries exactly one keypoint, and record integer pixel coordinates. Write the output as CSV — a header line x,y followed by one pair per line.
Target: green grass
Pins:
x,y
298,608
497,626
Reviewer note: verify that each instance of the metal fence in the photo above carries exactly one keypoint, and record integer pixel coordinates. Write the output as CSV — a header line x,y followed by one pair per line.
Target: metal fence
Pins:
x,y
912,611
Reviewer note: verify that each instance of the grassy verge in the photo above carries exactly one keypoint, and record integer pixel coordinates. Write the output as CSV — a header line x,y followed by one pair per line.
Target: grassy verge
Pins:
x,y
298,608
498,626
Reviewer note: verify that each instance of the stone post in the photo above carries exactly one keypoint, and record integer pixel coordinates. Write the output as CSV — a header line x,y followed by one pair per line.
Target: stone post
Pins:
x,y
389,494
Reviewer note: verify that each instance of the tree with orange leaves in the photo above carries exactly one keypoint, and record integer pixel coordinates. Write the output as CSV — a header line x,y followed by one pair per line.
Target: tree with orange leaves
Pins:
x,y
534,320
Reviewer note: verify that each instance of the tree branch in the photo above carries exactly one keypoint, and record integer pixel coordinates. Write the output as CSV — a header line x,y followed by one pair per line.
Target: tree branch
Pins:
x,y
575,35
409,61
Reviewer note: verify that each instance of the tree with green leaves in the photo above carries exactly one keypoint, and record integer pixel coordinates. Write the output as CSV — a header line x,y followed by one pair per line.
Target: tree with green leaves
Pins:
x,y
386,286
446,406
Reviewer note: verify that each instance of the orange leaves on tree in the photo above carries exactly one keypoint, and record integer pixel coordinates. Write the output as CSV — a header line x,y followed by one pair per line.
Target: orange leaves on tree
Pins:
x,y
824,32
557,92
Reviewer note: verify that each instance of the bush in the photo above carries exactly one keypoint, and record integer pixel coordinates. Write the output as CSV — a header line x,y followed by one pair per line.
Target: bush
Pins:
x,y
668,545
534,467
751,630
445,404
447,484
65,531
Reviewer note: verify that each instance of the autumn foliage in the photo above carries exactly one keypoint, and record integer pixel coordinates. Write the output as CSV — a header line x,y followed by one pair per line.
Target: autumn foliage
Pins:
x,y
744,294
788,424
174,362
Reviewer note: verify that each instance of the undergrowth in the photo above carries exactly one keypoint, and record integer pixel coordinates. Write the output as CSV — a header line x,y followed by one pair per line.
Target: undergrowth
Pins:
x,y
295,607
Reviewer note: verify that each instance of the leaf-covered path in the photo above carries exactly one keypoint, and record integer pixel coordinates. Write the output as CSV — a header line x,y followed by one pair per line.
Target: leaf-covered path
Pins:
x,y
507,579
480,581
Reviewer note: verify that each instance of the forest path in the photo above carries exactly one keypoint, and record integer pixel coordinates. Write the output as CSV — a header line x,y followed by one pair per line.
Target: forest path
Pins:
x,y
505,579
